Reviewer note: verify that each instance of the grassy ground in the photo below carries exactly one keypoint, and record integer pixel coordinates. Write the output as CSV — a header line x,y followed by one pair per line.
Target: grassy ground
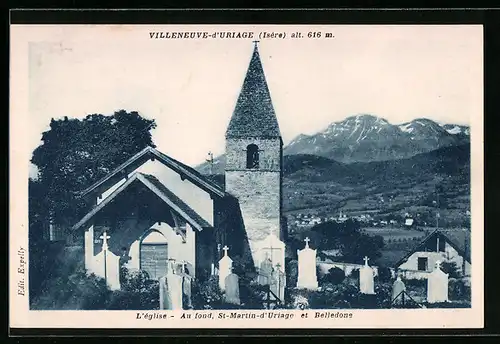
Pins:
x,y
394,233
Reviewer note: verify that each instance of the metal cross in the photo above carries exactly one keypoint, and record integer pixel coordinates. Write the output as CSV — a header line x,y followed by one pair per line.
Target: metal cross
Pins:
x,y
225,248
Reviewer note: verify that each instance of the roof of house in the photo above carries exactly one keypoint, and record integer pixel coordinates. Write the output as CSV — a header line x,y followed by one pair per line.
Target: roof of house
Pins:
x,y
138,159
254,114
458,239
153,184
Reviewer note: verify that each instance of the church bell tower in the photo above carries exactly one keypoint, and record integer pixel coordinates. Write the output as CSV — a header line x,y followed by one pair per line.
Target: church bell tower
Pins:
x,y
254,158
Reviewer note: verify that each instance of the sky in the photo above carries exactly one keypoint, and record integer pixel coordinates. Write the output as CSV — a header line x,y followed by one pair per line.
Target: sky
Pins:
x,y
190,86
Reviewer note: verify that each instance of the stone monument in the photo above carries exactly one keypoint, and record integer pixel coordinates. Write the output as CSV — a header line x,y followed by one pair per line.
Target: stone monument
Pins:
x,y
366,283
174,286
437,285
265,272
232,294
307,278
225,268
398,287
107,265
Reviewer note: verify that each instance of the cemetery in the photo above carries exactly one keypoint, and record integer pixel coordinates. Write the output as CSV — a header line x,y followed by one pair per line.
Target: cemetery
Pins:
x,y
154,234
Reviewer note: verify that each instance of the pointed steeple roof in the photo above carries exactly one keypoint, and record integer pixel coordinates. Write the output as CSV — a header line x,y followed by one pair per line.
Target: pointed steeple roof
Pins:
x,y
254,114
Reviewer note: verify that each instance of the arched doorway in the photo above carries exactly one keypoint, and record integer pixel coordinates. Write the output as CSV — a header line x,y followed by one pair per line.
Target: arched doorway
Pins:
x,y
154,254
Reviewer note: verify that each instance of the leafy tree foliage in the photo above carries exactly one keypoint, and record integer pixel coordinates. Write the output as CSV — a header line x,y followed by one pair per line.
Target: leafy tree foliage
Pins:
x,y
76,153
347,238
452,269
334,276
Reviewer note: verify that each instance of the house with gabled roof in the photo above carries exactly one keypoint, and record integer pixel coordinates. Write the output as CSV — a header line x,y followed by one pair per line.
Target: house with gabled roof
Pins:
x,y
440,245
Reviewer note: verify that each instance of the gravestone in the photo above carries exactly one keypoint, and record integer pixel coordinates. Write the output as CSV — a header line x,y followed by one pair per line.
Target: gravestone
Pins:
x,y
186,285
307,278
107,265
270,248
366,283
225,268
165,301
265,272
397,288
232,294
278,282
437,285
174,287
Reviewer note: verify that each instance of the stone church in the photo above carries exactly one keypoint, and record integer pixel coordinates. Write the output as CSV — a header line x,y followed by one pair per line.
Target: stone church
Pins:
x,y
153,211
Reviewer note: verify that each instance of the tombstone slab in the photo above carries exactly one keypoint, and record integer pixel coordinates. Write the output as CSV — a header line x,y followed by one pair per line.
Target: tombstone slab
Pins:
x,y
366,282
265,272
307,277
165,301
398,287
225,268
232,294
437,285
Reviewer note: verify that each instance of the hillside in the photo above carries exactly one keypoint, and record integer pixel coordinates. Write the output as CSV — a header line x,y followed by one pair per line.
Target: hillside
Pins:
x,y
317,185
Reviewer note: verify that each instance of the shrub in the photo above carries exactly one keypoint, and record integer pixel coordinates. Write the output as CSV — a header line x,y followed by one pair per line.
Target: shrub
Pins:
x,y
452,269
458,290
334,276
207,294
384,274
338,296
418,283
354,274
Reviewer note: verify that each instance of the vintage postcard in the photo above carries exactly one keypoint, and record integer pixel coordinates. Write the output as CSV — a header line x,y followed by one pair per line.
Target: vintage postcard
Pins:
x,y
169,176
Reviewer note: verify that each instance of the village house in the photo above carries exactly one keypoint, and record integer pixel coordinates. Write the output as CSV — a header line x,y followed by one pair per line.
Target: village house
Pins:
x,y
441,245
153,210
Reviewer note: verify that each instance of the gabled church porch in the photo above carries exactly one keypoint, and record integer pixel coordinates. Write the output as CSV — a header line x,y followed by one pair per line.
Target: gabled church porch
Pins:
x,y
145,226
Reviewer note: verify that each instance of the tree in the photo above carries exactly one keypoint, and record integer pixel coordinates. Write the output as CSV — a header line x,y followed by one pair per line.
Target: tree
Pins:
x,y
347,238
76,153
334,276
452,269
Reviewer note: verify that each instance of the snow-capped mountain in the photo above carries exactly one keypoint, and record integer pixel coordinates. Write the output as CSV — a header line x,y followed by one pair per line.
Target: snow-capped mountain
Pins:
x,y
455,129
364,138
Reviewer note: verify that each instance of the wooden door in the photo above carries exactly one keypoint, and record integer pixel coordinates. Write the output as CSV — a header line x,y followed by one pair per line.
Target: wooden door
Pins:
x,y
154,259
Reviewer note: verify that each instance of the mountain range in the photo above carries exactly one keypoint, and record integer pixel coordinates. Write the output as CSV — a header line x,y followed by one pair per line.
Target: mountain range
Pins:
x,y
367,138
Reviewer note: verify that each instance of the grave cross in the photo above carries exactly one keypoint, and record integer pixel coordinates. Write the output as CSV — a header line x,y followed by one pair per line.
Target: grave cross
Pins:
x,y
104,238
225,249
366,259
307,241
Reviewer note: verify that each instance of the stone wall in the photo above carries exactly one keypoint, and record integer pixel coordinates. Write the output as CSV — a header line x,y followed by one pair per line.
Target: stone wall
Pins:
x,y
259,191
269,154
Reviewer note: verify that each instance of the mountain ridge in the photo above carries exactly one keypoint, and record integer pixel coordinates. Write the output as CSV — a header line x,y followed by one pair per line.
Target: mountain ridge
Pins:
x,y
366,138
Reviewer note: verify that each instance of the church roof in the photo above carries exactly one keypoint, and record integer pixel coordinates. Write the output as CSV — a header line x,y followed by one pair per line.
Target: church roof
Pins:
x,y
254,114
455,237
140,158
153,184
